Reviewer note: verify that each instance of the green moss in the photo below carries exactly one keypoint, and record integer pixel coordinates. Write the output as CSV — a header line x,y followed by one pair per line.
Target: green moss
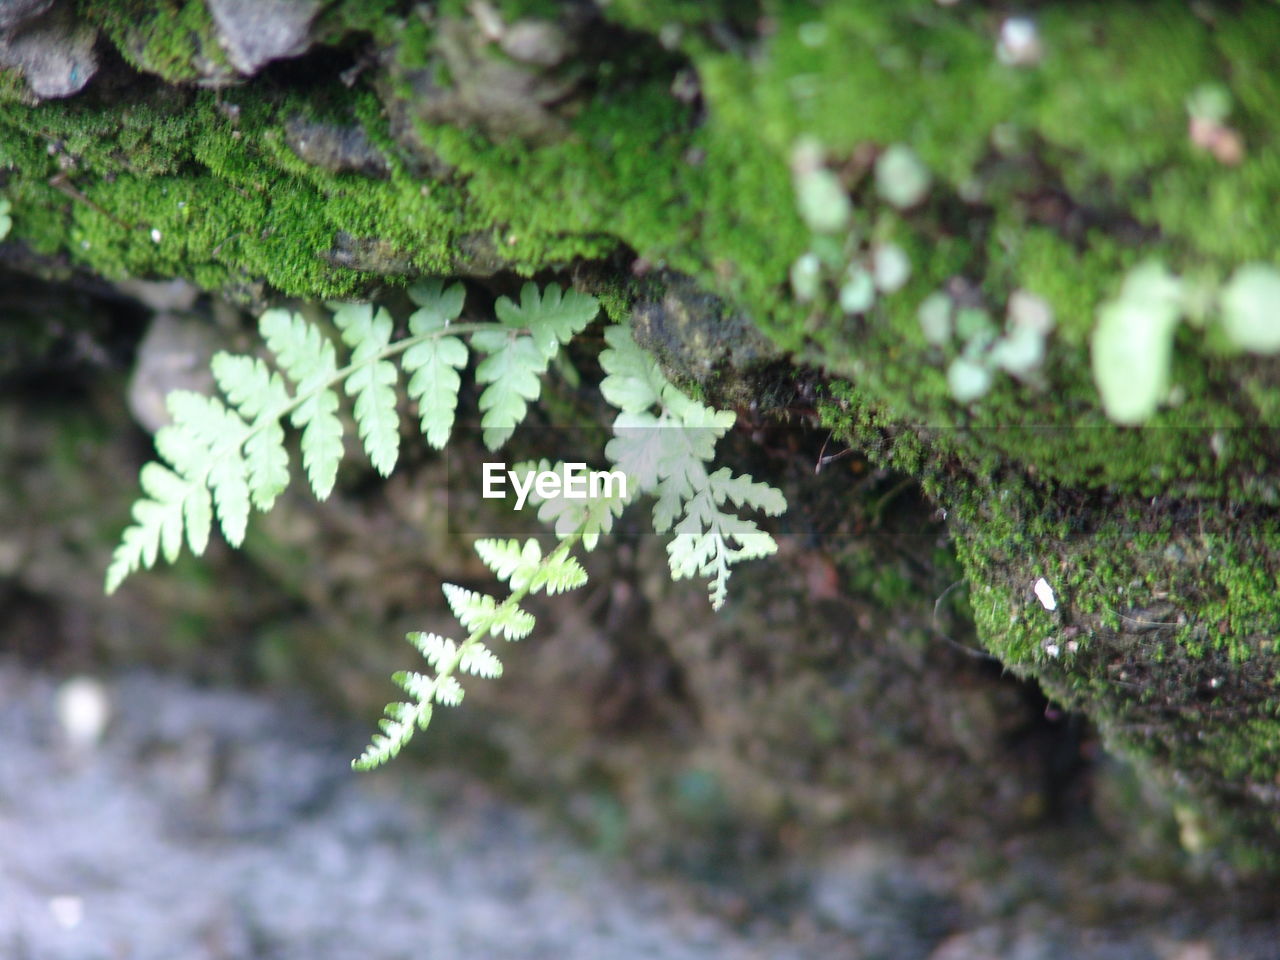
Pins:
x,y
175,39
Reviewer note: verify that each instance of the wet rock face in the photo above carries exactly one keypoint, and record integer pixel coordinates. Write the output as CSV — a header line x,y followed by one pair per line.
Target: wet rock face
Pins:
x,y
699,337
47,45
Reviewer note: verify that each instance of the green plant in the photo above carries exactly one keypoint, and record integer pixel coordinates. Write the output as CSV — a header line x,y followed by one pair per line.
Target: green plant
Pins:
x,y
222,457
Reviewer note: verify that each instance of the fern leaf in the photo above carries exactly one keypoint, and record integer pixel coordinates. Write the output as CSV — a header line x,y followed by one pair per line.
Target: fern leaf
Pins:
x,y
397,730
437,650
307,358
417,685
321,441
512,371
267,463
480,613
634,382
159,519
438,306
433,384
552,318
743,491
228,479
560,576
372,382
448,691
510,561
304,353
479,661
249,384
472,610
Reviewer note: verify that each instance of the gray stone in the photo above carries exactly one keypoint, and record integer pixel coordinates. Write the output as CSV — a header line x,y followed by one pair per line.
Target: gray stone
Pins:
x,y
54,53
255,32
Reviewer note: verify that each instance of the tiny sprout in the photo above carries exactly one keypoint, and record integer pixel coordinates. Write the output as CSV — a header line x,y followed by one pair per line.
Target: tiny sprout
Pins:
x,y
859,290
821,198
975,327
806,277
968,379
1020,352
891,267
935,318
1251,308
901,177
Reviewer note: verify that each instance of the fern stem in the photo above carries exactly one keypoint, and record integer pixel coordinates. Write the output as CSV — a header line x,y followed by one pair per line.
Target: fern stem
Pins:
x,y
512,600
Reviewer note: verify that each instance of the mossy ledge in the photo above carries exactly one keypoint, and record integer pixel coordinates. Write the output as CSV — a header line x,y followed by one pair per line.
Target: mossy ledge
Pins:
x,y
385,141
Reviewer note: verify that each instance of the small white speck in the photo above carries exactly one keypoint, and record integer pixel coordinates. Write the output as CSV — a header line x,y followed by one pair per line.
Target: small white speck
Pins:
x,y
83,710
1051,649
1044,593
156,235
1072,646
67,912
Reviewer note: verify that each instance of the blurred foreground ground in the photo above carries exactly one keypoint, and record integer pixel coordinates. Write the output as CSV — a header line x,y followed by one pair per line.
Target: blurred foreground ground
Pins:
x,y
214,824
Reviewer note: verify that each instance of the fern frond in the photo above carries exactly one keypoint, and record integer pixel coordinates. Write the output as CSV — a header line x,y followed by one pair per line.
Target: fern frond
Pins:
x,y
231,455
666,453
483,616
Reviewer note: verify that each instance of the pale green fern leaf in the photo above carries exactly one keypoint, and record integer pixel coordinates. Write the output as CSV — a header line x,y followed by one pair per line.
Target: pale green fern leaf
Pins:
x,y
308,359
509,560
552,318
434,383
258,395
417,685
512,371
481,614
438,305
666,453
634,382
479,661
433,364
585,518
159,519
559,576
448,691
372,382
436,649
745,492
